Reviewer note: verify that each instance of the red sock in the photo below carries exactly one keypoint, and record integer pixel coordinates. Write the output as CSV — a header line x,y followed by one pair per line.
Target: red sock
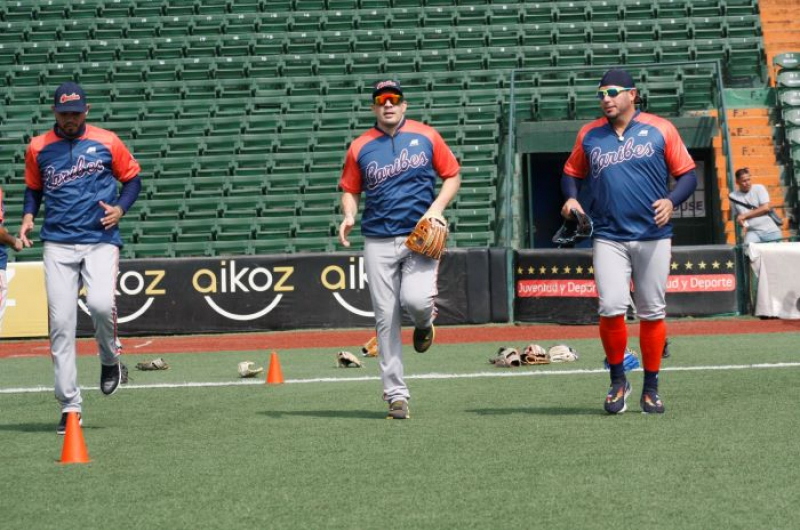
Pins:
x,y
652,335
614,335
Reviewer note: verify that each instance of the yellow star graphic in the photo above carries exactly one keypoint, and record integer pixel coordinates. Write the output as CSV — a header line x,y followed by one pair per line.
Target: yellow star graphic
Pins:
x,y
554,270
531,270
715,264
542,269
729,264
567,270
688,265
591,270
702,265
519,270
674,266
579,270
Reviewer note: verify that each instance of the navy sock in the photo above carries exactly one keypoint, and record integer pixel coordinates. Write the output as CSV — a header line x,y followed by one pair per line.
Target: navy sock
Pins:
x,y
617,373
650,381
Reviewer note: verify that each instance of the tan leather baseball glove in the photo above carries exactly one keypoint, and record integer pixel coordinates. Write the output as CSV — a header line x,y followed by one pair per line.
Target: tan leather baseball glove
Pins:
x,y
534,354
345,359
429,237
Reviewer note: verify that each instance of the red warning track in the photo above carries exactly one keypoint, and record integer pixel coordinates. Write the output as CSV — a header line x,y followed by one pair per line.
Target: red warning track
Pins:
x,y
444,335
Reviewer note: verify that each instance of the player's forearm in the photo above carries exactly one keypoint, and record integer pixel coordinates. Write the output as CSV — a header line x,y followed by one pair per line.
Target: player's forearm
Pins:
x,y
569,187
32,201
449,189
349,204
6,238
129,193
684,188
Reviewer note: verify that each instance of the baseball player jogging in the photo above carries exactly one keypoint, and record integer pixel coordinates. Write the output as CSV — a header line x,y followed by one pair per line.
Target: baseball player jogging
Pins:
x,y
625,159
395,164
74,168
6,240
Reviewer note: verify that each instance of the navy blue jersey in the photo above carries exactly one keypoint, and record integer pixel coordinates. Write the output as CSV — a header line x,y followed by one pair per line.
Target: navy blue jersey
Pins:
x,y
398,175
74,176
626,174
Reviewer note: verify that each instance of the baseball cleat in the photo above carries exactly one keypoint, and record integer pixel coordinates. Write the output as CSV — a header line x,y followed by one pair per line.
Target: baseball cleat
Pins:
x,y
665,353
398,410
423,338
110,378
651,403
617,398
62,424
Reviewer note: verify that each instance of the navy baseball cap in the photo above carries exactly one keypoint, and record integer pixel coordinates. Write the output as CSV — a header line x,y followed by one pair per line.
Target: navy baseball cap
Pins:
x,y
385,86
69,97
617,77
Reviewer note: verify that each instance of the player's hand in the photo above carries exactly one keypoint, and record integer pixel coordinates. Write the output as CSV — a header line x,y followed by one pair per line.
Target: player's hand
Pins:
x,y
17,244
571,204
663,209
113,215
433,212
24,228
345,228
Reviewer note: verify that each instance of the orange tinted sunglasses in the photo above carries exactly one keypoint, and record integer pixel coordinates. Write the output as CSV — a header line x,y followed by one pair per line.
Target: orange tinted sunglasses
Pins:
x,y
381,99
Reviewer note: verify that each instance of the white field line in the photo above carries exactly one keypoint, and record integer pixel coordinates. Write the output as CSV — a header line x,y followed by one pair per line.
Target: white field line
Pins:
x,y
473,375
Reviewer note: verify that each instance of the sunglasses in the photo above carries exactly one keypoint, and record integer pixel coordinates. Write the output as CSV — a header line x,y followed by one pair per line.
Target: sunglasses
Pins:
x,y
381,99
611,92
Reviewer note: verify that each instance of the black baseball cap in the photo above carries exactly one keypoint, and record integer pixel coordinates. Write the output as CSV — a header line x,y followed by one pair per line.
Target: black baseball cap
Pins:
x,y
385,86
617,77
69,97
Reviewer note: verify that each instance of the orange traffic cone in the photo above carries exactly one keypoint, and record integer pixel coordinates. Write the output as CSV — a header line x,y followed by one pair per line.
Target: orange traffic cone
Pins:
x,y
74,451
274,376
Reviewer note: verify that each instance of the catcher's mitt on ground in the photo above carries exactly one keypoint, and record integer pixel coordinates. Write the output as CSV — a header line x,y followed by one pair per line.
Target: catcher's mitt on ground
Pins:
x,y
534,354
370,349
429,237
248,369
562,354
506,358
345,359
155,364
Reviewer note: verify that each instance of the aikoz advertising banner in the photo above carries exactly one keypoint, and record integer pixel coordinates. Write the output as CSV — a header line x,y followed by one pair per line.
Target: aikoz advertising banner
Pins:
x,y
275,292
557,285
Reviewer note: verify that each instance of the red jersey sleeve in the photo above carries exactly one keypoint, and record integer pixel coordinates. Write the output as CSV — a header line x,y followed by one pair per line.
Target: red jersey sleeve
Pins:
x,y
678,159
123,165
351,174
33,178
576,165
444,161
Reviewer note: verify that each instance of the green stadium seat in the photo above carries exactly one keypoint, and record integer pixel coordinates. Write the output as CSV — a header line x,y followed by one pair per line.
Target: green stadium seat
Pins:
x,y
789,79
271,246
792,118
788,61
410,19
185,249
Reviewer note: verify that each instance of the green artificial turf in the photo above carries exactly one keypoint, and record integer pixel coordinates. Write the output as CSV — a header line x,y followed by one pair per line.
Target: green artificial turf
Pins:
x,y
482,452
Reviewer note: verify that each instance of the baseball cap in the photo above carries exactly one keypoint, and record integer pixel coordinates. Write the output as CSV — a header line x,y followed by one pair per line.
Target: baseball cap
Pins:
x,y
69,97
386,85
617,77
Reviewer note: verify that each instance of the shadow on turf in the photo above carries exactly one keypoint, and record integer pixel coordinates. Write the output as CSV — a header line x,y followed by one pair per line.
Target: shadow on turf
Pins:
x,y
349,414
541,411
38,427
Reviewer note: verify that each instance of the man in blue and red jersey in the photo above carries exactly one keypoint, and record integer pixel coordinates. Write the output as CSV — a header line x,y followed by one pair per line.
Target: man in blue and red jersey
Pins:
x,y
396,164
625,159
6,240
74,169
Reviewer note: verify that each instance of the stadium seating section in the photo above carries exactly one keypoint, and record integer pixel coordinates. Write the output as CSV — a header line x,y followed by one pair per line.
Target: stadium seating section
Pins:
x,y
240,111
788,86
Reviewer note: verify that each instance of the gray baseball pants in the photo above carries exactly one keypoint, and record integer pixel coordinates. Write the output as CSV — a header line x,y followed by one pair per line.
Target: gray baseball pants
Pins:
x,y
67,267
646,263
398,279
